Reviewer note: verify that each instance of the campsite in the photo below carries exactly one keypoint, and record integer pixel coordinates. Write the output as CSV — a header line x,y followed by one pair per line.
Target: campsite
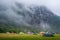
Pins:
x,y
22,36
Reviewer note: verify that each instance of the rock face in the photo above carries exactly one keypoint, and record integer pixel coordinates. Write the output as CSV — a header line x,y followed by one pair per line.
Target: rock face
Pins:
x,y
41,14
31,17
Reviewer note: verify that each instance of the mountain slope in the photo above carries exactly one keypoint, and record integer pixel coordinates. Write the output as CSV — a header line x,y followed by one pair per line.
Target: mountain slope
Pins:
x,y
32,18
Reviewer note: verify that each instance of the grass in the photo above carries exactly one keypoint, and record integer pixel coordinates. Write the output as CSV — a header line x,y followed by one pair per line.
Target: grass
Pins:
x,y
27,37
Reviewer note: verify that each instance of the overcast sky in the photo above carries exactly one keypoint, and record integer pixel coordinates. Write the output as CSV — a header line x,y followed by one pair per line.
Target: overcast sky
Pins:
x,y
53,5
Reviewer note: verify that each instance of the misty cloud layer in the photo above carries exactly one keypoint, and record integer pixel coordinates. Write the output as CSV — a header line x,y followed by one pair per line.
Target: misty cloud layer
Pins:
x,y
35,14
54,5
9,9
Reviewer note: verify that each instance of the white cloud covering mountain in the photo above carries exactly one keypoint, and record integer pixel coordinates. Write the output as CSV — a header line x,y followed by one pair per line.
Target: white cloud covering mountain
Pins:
x,y
54,5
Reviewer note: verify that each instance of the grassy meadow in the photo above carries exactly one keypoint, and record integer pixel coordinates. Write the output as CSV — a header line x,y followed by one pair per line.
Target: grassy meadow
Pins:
x,y
27,37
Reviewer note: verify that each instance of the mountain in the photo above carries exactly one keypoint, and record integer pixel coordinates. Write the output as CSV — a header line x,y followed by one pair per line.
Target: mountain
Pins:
x,y
28,18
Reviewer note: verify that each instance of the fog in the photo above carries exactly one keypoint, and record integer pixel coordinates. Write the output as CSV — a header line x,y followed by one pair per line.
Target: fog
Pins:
x,y
54,5
7,5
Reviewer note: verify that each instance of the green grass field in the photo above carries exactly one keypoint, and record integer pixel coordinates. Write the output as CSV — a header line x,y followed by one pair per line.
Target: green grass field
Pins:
x,y
27,37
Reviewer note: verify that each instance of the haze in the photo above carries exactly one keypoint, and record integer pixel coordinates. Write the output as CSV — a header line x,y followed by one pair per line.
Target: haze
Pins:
x,y
53,5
